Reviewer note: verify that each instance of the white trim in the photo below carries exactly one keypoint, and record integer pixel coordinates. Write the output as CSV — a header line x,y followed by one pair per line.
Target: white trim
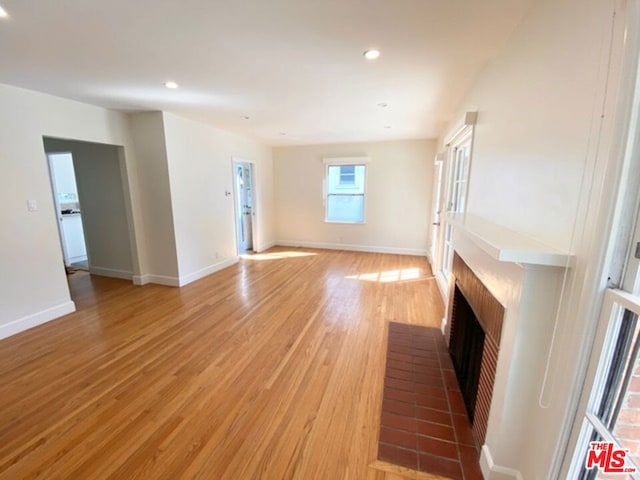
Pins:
x,y
111,272
203,272
266,246
78,258
467,121
492,471
36,319
443,285
157,279
346,160
422,252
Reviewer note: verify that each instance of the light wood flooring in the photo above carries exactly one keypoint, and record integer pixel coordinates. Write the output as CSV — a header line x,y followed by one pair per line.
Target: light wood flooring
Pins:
x,y
270,369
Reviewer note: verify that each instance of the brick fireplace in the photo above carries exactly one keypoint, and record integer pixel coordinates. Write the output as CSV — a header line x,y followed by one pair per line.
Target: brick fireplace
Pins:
x,y
502,297
474,331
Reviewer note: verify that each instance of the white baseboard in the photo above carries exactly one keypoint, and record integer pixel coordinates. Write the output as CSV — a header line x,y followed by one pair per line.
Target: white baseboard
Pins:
x,y
36,319
356,248
266,246
111,272
80,258
491,471
430,260
203,272
443,287
157,279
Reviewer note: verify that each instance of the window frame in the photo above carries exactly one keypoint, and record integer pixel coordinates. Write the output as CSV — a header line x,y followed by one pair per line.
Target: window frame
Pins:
x,y
340,162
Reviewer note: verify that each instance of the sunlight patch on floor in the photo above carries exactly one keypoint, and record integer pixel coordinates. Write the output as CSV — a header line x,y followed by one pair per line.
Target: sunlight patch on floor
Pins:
x,y
276,255
389,276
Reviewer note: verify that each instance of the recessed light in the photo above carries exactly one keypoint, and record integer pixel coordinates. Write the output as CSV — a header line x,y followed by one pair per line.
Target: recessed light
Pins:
x,y
172,85
383,105
371,54
3,12
387,127
246,117
282,133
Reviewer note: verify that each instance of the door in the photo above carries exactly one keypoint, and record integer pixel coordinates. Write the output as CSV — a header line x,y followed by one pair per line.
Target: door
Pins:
x,y
458,176
436,207
244,205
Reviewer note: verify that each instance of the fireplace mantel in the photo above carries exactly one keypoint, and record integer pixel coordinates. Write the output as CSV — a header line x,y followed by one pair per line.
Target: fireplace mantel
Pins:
x,y
505,245
526,278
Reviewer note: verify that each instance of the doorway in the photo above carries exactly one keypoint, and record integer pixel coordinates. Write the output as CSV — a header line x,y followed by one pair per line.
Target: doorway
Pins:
x,y
88,182
436,209
68,210
243,182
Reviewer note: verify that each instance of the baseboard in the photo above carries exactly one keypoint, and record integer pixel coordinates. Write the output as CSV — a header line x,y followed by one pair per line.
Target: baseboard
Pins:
x,y
36,319
356,248
203,272
266,246
491,471
443,287
157,279
430,260
81,258
111,272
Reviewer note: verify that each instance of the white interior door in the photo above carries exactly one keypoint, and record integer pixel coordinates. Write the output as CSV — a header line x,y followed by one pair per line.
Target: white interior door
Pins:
x,y
436,209
244,187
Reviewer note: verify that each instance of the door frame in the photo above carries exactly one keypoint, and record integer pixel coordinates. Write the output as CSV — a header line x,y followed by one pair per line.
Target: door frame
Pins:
x,y
237,161
437,203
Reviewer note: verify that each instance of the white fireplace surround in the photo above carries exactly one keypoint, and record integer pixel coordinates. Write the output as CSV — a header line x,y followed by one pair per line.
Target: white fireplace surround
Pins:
x,y
526,278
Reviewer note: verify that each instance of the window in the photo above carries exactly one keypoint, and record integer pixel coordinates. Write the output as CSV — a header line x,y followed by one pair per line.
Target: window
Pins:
x,y
347,174
345,185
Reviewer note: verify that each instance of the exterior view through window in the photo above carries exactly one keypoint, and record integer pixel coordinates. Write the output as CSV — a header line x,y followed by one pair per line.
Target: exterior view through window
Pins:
x,y
345,186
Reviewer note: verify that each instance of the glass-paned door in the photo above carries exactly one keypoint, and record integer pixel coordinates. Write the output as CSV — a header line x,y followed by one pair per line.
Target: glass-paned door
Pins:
x,y
456,195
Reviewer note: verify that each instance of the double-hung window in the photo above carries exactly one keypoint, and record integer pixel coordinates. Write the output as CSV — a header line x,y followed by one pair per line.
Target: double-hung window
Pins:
x,y
345,191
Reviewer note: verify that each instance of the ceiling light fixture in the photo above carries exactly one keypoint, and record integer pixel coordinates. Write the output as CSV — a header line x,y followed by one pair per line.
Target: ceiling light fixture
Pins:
x,y
282,133
387,127
3,13
371,54
171,85
383,105
246,117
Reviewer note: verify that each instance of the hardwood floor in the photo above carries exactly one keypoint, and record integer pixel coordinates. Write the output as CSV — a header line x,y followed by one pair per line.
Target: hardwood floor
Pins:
x,y
271,369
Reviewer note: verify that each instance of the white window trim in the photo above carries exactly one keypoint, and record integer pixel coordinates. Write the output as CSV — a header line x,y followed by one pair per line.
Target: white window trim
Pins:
x,y
334,161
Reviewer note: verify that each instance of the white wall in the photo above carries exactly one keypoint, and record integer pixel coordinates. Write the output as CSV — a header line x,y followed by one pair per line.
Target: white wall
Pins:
x,y
104,212
398,195
161,258
539,118
33,286
200,171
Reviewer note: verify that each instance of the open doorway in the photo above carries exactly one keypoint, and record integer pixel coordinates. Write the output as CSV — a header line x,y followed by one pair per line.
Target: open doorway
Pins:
x,y
88,183
68,210
243,182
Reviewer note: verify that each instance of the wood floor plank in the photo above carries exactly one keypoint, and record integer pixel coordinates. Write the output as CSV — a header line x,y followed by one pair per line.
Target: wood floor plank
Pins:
x,y
270,369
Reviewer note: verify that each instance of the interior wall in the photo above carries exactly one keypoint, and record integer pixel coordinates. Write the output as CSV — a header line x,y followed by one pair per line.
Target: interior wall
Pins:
x,y
543,107
33,286
104,213
397,196
148,134
200,173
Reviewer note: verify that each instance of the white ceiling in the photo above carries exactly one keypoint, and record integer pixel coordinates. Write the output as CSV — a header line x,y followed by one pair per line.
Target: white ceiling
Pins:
x,y
293,66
